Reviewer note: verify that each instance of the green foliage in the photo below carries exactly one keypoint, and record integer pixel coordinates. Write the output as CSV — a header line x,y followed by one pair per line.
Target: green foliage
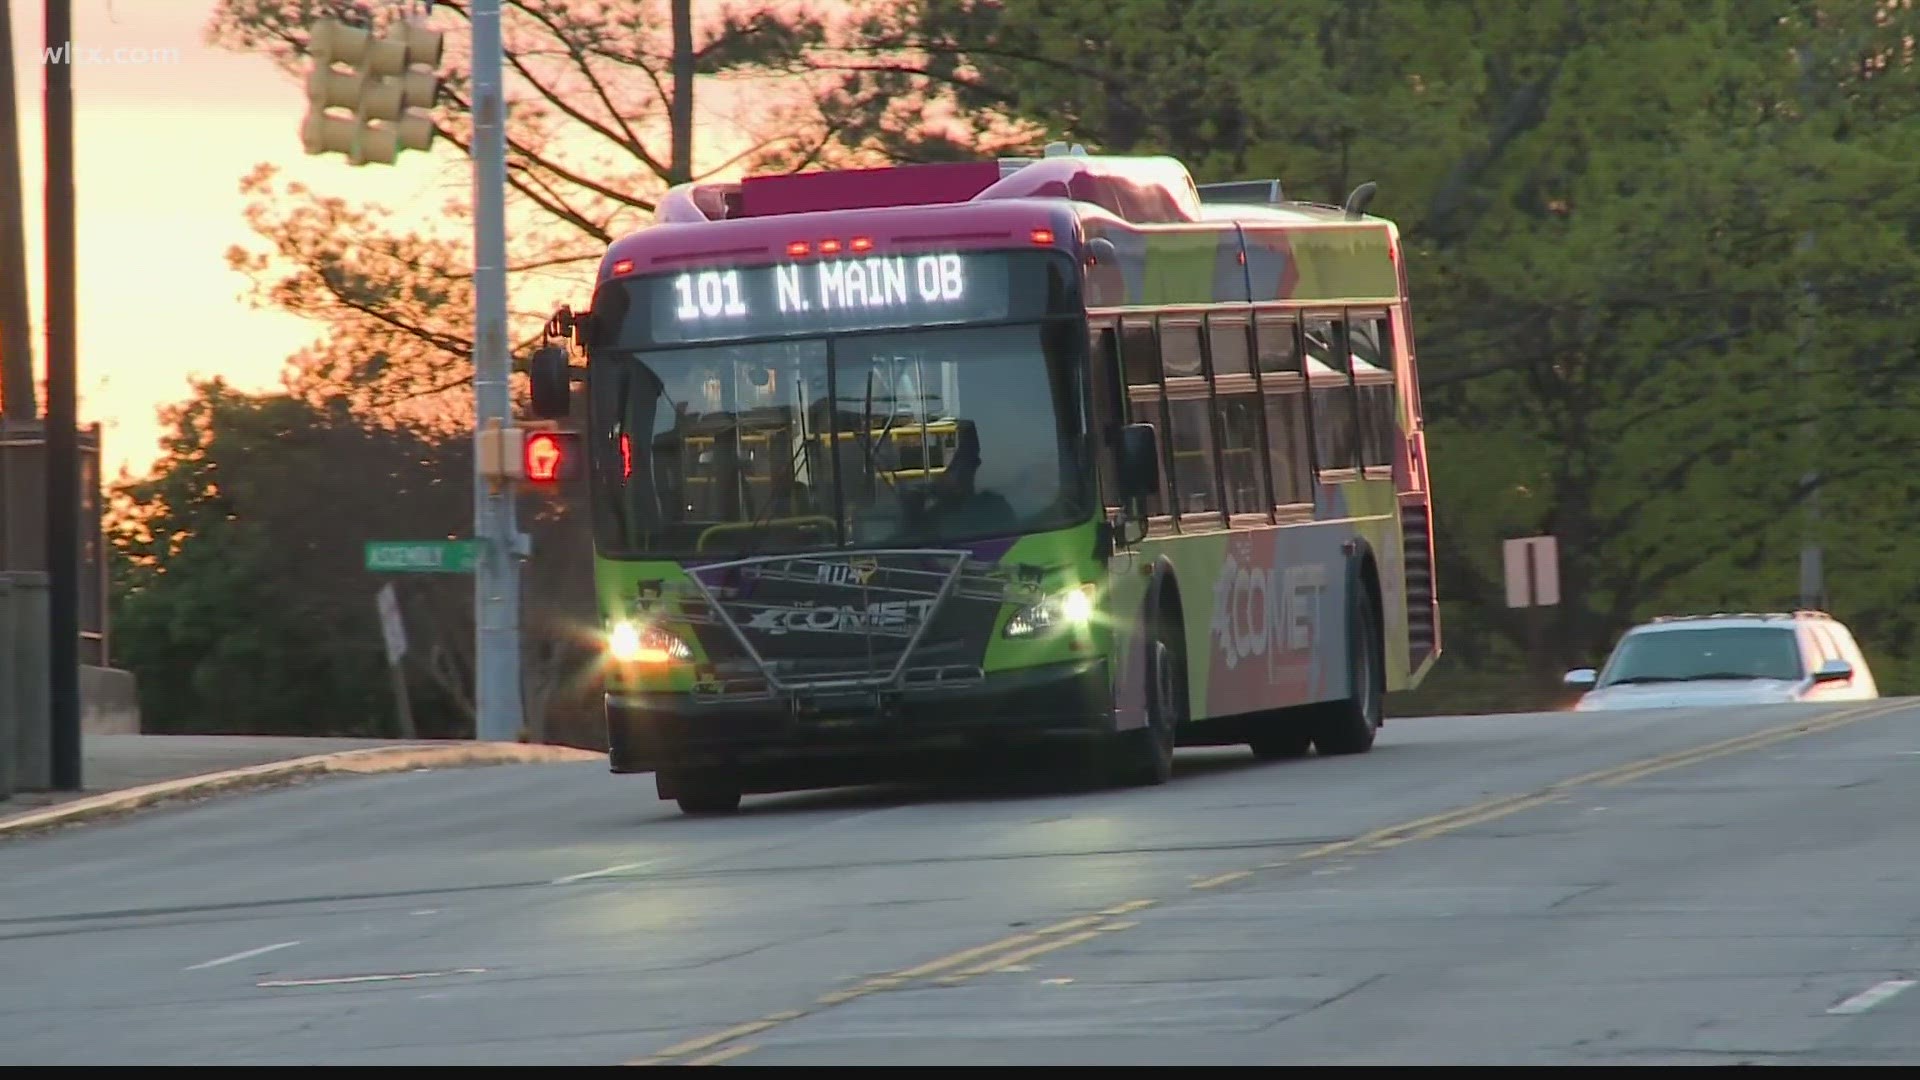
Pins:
x,y
1660,252
238,597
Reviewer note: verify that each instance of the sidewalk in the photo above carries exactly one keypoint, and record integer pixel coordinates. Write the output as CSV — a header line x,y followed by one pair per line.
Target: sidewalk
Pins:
x,y
123,772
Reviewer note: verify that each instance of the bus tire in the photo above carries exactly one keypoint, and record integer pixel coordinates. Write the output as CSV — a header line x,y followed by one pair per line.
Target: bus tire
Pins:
x,y
698,792
1146,754
1349,727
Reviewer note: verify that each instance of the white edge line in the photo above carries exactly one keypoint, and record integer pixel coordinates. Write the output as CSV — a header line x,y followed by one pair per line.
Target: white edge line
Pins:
x,y
602,872
262,950
341,980
1873,995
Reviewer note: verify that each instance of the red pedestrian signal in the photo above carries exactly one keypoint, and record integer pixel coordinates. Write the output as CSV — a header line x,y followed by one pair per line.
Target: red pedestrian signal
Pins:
x,y
549,457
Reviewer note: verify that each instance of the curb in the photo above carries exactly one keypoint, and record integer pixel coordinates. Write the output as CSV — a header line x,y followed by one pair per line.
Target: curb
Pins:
x,y
373,759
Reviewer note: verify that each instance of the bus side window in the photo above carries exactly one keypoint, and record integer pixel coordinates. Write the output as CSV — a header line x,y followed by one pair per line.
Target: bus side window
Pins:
x,y
1196,486
1140,360
1371,348
1330,382
1109,408
1284,395
1237,406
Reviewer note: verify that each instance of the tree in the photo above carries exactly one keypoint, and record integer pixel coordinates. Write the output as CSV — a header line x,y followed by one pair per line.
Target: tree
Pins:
x,y
1622,334
240,595
602,117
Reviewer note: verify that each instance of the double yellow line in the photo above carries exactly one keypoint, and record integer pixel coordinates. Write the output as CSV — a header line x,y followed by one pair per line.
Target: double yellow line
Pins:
x,y
950,969
957,967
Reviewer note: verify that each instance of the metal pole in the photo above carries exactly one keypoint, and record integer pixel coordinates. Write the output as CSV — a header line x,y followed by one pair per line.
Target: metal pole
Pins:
x,y
496,598
16,336
63,451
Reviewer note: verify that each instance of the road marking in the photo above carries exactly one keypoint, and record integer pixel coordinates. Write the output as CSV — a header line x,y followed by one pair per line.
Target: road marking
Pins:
x,y
999,955
1868,998
261,951
340,980
728,1054
602,872
1222,879
706,1041
1002,962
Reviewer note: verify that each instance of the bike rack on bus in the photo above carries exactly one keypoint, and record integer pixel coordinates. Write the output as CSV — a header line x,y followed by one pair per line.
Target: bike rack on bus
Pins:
x,y
963,578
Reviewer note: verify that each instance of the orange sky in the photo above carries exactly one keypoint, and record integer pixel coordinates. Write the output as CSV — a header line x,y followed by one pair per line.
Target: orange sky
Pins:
x,y
163,138
161,144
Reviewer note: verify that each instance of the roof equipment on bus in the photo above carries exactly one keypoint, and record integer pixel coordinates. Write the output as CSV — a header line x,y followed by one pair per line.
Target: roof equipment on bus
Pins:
x,y
1358,201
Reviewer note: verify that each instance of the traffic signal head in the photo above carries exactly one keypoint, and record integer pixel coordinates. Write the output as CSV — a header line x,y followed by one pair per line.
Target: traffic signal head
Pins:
x,y
550,457
385,85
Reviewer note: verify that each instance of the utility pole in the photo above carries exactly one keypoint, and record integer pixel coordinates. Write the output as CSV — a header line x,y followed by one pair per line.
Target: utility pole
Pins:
x,y
16,336
1813,583
63,452
496,599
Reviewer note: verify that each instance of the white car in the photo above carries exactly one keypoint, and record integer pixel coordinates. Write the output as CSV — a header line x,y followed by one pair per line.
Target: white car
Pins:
x,y
1729,659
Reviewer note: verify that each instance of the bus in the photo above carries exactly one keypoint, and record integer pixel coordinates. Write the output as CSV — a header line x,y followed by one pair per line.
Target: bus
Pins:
x,y
996,456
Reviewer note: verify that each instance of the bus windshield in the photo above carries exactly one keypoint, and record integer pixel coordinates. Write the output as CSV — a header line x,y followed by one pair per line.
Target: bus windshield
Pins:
x,y
908,439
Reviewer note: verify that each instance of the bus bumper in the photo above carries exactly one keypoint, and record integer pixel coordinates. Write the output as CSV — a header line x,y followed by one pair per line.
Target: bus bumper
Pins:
x,y
1053,703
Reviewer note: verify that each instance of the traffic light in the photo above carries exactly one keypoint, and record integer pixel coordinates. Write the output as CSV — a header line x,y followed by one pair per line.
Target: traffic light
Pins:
x,y
385,78
535,456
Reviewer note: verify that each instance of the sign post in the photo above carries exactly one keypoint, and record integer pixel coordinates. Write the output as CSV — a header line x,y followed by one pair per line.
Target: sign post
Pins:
x,y
394,630
1533,572
1533,581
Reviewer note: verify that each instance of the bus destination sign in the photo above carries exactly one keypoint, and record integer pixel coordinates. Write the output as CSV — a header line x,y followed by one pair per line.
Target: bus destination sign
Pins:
x,y
863,292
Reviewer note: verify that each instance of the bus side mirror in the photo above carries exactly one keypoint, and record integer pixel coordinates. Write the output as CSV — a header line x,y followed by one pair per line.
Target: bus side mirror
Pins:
x,y
1139,462
551,381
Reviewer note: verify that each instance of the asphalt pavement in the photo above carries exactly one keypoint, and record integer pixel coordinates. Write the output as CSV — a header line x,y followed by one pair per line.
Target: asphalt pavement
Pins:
x,y
1683,886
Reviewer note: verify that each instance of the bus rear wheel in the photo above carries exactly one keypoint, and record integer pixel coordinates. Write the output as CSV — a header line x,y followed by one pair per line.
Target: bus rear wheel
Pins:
x,y
1349,727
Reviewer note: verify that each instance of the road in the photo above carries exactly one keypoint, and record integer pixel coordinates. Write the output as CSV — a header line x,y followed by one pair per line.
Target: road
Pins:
x,y
1717,906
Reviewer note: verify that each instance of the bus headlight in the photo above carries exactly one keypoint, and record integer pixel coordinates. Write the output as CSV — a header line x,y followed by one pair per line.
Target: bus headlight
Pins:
x,y
1072,607
631,644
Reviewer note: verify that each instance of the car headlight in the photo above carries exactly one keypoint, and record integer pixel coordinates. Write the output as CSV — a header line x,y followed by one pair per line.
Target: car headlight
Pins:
x,y
1071,607
630,643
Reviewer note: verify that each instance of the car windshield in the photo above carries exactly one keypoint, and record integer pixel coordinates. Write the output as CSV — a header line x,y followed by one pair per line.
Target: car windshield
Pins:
x,y
908,438
1731,652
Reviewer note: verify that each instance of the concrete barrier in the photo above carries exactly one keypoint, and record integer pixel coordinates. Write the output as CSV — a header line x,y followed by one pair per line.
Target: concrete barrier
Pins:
x,y
109,702
26,689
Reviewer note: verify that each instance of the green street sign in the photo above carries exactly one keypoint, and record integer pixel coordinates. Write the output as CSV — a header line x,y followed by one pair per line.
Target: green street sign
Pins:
x,y
423,556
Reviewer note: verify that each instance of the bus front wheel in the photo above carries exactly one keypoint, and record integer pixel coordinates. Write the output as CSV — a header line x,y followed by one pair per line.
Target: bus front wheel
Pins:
x,y
697,792
1146,754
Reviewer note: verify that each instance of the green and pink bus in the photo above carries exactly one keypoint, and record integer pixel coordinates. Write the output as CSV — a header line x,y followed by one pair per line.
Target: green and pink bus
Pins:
x,y
890,465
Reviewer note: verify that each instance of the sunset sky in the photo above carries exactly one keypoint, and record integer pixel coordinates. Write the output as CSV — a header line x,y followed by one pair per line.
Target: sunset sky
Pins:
x,y
163,139
161,148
